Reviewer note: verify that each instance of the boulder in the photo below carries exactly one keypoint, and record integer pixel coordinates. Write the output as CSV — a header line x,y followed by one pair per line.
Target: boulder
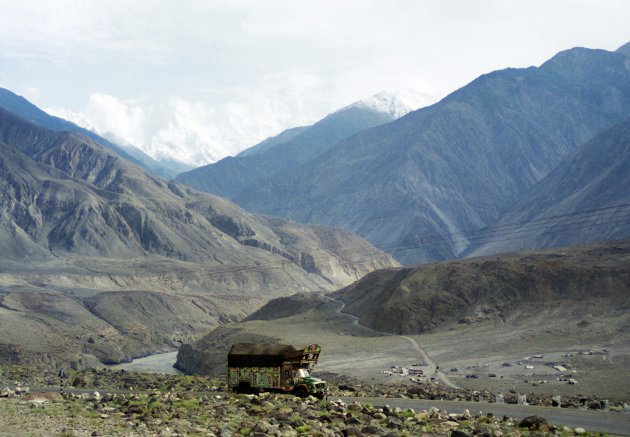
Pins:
x,y
535,423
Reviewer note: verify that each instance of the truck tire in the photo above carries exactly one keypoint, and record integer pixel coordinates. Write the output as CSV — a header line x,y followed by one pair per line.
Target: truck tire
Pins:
x,y
301,392
243,387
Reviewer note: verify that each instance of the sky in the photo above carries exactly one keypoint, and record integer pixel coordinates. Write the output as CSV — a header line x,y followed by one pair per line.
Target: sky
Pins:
x,y
197,80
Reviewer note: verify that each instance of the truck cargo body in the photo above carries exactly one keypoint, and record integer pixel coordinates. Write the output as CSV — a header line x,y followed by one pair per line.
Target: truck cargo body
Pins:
x,y
279,368
260,377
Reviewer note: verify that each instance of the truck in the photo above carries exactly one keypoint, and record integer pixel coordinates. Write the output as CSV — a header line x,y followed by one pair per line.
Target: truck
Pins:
x,y
280,368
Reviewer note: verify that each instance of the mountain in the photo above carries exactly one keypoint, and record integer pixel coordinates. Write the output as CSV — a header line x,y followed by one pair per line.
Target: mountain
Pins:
x,y
434,297
283,137
465,314
415,186
24,109
99,256
584,199
233,176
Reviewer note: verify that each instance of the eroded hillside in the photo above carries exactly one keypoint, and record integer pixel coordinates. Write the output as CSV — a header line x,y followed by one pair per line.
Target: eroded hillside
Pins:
x,y
100,257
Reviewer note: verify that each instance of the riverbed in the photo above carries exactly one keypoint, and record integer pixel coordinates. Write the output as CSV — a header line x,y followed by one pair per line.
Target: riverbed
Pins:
x,y
157,363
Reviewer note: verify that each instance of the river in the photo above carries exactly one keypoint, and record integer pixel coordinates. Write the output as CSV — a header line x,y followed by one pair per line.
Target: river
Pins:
x,y
157,363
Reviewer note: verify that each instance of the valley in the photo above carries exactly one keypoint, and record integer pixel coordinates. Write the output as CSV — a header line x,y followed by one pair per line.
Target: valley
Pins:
x,y
103,261
473,250
588,335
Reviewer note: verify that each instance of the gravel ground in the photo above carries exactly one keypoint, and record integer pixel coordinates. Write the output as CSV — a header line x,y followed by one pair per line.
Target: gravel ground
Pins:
x,y
180,414
106,402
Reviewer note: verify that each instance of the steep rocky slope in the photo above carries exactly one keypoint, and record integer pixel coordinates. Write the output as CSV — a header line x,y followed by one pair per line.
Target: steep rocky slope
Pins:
x,y
413,186
77,220
233,176
584,199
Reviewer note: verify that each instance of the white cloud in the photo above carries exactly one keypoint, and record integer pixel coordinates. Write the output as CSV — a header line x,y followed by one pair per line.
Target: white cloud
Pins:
x,y
110,114
32,93
198,79
197,132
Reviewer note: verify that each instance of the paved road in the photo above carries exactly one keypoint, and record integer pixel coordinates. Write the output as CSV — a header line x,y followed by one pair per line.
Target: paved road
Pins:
x,y
593,421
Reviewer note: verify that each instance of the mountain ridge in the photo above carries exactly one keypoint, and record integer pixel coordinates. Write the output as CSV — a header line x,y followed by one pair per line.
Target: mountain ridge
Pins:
x,y
584,199
232,175
103,260
457,164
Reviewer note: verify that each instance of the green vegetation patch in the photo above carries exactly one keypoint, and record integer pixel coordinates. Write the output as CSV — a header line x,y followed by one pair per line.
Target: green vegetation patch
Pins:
x,y
303,429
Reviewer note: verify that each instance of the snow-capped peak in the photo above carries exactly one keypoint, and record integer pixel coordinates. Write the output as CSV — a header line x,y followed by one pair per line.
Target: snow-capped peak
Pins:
x,y
394,104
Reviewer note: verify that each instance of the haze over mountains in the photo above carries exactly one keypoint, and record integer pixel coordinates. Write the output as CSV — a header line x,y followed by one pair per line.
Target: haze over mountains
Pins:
x,y
234,177
23,108
419,186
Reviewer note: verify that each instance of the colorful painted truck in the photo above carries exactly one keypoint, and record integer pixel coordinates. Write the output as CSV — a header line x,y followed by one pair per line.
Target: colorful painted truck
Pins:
x,y
254,368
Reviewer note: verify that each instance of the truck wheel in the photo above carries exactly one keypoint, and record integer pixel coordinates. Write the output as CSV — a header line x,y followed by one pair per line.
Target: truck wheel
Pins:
x,y
243,387
301,392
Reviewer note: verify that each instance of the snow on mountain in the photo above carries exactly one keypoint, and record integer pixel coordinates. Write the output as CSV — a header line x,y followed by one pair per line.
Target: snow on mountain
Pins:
x,y
194,134
394,104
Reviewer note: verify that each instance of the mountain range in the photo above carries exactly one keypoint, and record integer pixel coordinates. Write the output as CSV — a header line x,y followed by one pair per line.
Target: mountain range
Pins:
x,y
584,199
234,177
94,244
104,259
418,187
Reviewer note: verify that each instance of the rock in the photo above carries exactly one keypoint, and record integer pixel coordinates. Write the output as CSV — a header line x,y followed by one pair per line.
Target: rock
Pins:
x,y
268,406
19,391
394,424
224,432
456,433
353,421
580,430
595,405
556,401
379,416
166,432
262,426
535,423
373,430
356,406
353,431
285,410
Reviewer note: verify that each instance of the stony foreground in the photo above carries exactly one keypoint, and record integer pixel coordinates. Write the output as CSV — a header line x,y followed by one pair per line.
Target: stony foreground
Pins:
x,y
104,403
173,414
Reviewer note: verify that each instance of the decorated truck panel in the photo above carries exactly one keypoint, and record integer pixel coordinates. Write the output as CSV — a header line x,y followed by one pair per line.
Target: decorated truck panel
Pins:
x,y
274,367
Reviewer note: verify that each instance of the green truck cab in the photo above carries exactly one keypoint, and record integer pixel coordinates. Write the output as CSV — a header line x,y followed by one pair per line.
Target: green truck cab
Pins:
x,y
253,368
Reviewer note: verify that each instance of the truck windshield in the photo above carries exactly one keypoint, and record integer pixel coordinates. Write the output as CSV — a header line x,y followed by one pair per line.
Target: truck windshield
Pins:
x,y
302,373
